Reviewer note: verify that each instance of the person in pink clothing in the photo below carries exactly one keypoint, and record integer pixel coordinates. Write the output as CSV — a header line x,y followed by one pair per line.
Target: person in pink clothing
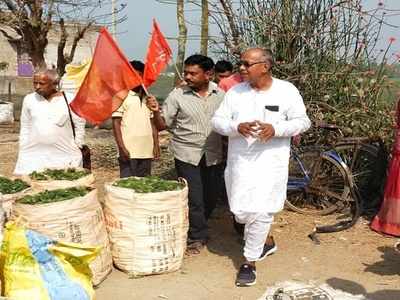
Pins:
x,y
229,82
387,221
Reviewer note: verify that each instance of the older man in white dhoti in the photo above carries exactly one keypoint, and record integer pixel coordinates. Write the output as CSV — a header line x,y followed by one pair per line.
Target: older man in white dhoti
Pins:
x,y
259,116
46,137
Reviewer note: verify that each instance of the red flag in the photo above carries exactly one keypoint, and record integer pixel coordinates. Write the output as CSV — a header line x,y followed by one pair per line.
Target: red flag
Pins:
x,y
107,83
158,55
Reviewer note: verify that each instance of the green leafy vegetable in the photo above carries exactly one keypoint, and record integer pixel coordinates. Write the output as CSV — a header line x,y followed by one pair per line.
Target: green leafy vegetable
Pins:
x,y
61,174
55,195
149,184
8,186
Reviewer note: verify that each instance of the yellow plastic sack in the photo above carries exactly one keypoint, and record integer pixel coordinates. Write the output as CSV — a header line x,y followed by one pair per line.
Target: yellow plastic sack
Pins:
x,y
77,73
35,267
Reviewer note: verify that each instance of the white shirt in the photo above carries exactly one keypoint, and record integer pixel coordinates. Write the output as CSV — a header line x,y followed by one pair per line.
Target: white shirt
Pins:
x,y
46,138
256,174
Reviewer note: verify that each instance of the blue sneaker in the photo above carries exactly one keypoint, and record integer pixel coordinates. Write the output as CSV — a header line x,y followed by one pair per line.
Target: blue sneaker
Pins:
x,y
246,275
268,250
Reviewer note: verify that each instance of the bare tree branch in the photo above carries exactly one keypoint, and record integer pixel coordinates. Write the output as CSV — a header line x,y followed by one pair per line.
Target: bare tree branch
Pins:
x,y
32,20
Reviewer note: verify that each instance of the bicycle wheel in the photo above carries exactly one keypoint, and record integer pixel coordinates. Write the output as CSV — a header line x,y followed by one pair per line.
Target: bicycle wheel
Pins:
x,y
346,219
367,163
328,189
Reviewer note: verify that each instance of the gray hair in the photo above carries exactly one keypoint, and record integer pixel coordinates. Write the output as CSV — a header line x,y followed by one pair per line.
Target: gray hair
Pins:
x,y
50,73
266,54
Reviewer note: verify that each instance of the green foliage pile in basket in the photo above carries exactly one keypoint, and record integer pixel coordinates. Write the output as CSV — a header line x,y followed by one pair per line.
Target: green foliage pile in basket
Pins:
x,y
9,186
149,184
55,195
59,174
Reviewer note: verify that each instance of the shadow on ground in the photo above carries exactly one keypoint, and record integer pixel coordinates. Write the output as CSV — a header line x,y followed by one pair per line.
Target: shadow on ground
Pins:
x,y
388,265
355,288
224,240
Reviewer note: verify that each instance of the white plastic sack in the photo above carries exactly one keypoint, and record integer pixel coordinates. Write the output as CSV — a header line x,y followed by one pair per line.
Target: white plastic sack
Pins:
x,y
148,232
6,112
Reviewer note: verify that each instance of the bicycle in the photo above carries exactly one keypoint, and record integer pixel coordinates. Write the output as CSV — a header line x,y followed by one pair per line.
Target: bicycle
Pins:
x,y
367,159
319,181
350,169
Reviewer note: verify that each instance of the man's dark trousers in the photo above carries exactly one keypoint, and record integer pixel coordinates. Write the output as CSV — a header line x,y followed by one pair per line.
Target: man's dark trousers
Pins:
x,y
203,193
134,167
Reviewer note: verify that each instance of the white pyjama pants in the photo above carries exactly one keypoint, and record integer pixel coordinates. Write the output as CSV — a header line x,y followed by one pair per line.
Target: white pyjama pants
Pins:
x,y
257,226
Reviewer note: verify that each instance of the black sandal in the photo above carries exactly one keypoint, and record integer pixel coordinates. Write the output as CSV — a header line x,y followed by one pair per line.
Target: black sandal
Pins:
x,y
194,248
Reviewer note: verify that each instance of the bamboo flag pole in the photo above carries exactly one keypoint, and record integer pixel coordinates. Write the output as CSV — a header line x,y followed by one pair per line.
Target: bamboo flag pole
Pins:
x,y
145,89
173,61
176,68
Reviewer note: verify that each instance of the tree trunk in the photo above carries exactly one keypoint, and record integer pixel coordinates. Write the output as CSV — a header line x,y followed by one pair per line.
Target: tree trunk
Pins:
x,y
37,56
35,46
63,58
204,27
61,61
228,11
181,38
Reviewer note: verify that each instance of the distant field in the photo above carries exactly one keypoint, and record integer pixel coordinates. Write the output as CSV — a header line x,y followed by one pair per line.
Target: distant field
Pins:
x,y
162,87
396,84
393,93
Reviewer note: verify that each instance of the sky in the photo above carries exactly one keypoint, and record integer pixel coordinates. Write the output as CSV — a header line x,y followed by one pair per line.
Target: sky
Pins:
x,y
134,34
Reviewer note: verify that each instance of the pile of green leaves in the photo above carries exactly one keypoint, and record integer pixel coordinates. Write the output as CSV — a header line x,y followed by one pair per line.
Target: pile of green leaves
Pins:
x,y
59,174
8,186
55,195
150,184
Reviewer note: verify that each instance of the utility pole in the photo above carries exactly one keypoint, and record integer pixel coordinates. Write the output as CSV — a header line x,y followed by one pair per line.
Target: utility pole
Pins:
x,y
204,27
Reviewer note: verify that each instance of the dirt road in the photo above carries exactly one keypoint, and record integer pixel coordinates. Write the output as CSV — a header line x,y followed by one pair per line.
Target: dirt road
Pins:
x,y
358,261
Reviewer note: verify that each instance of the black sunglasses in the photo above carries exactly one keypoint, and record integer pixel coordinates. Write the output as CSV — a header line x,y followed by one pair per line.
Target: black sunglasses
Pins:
x,y
247,65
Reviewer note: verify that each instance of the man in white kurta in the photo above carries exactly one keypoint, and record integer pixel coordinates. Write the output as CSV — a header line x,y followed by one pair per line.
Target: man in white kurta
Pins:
x,y
259,116
46,139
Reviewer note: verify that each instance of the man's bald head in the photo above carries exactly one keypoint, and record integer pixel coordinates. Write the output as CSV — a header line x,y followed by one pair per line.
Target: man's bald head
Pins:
x,y
45,82
51,74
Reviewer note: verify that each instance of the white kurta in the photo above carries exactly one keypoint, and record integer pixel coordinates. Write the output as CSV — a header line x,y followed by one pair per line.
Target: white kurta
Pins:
x,y
256,174
46,138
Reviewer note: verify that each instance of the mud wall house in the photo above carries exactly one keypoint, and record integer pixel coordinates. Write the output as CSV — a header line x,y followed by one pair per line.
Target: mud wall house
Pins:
x,y
18,76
